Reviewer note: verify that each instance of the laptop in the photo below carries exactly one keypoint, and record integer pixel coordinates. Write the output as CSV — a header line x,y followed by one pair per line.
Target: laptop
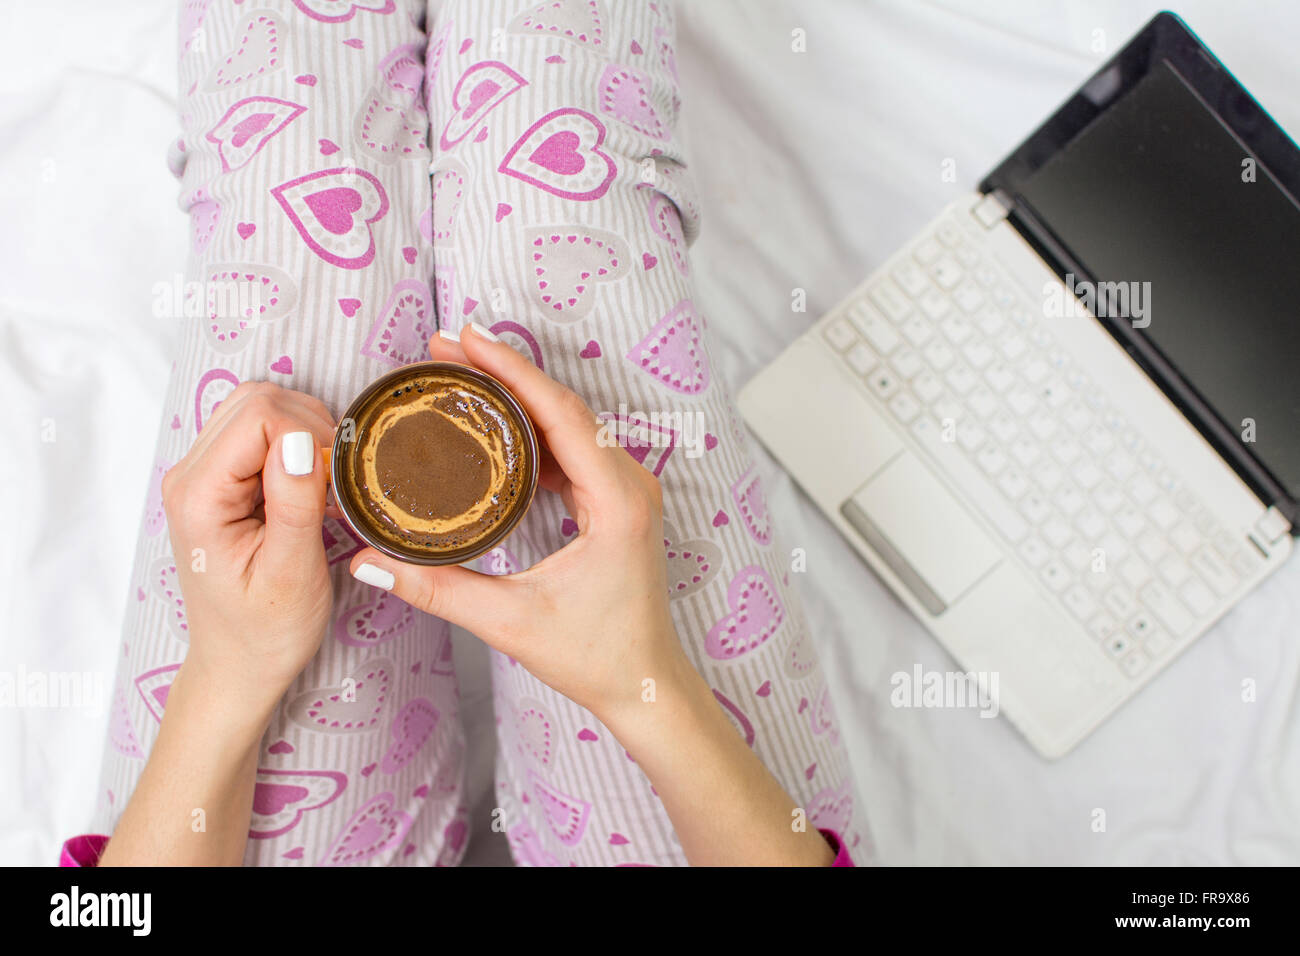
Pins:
x,y
1069,409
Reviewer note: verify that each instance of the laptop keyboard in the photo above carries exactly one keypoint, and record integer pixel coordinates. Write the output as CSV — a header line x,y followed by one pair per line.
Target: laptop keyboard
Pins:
x,y
958,356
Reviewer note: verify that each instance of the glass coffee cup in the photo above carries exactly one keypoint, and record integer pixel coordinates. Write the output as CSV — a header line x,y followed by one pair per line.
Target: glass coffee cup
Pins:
x,y
434,463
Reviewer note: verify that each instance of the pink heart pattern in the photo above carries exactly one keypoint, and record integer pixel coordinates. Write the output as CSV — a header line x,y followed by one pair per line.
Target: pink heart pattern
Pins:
x,y
333,211
376,828
561,154
691,564
666,222
499,561
340,542
673,351
533,731
380,619
327,11
214,385
481,89
165,585
248,126
566,815
153,687
240,297
155,518
392,124
747,492
625,95
801,658
756,614
437,50
400,335
412,727
650,443
567,263
329,710
256,53
526,846
736,714
192,14
821,716
832,808
281,797
580,21
121,732
449,179
205,214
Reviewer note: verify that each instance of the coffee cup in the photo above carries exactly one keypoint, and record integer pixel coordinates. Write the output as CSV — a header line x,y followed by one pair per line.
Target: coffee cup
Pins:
x,y
434,463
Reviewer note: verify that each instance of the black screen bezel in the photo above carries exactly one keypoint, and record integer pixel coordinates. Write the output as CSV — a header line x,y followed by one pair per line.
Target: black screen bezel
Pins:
x,y
1164,38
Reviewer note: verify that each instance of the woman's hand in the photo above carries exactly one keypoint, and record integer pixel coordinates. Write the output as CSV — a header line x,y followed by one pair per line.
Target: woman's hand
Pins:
x,y
591,620
244,510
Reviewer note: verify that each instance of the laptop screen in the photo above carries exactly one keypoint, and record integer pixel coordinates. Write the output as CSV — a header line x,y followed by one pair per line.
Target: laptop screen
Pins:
x,y
1142,183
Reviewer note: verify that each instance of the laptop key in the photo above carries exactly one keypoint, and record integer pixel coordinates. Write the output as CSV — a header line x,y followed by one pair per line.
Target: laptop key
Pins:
x,y
1210,567
1119,602
1055,575
1133,663
883,382
840,335
1167,608
910,277
946,273
1198,597
876,330
1102,626
904,407
1080,603
889,299
906,362
861,359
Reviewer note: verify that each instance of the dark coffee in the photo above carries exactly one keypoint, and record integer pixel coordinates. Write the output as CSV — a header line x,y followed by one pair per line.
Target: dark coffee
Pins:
x,y
441,464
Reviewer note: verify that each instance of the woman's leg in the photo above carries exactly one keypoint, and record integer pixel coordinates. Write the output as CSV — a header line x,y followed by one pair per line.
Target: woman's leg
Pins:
x,y
304,171
562,211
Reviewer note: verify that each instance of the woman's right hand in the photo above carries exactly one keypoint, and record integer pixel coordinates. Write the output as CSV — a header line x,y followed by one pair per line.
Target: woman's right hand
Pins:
x,y
592,619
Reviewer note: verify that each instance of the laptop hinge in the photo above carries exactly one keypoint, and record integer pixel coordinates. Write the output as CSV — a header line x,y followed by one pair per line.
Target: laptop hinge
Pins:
x,y
992,209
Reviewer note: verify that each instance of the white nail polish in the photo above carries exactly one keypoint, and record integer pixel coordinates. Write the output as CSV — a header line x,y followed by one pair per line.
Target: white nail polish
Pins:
x,y
374,576
486,333
449,335
298,449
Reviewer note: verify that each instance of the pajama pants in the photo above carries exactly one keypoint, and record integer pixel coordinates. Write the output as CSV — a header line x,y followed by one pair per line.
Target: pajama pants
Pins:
x,y
358,174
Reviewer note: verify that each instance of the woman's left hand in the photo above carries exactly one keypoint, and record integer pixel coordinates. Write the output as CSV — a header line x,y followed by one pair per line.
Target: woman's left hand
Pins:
x,y
245,527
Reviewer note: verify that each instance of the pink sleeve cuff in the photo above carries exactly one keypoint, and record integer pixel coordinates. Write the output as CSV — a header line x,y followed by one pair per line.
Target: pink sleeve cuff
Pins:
x,y
842,857
83,850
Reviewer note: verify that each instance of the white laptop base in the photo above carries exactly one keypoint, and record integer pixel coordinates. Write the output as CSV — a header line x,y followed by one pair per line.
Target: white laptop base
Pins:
x,y
1022,486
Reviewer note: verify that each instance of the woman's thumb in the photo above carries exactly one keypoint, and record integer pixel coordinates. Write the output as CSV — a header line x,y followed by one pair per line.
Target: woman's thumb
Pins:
x,y
480,603
293,484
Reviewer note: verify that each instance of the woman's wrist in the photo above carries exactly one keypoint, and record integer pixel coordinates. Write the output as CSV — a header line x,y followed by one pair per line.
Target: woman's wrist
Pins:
x,y
236,712
670,687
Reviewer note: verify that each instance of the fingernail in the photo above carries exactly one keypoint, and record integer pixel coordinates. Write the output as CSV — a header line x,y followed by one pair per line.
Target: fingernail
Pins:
x,y
298,449
449,335
374,576
486,333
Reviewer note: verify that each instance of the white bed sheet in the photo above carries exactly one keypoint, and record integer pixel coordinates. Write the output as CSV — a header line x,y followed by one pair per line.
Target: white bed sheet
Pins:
x,y
813,167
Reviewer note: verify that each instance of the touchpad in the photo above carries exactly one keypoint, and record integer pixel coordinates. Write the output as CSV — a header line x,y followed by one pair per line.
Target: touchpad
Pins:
x,y
923,533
